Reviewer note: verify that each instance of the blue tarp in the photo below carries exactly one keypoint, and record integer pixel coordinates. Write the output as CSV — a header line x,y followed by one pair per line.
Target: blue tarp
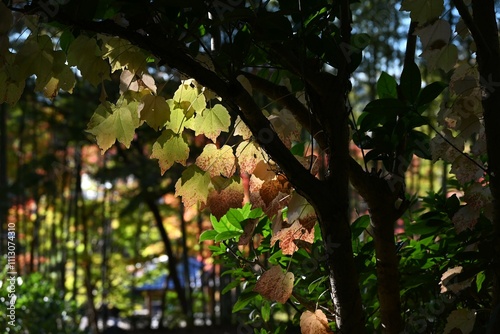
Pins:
x,y
195,271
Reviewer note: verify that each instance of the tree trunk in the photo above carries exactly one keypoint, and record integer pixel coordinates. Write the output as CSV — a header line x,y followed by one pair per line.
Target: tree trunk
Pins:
x,y
488,58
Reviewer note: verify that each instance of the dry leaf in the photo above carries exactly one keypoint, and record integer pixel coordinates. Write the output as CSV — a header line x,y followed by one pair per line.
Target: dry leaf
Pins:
x,y
288,236
462,320
314,323
275,285
449,281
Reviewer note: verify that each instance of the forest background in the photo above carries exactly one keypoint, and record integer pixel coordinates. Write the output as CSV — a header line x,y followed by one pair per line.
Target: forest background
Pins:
x,y
361,135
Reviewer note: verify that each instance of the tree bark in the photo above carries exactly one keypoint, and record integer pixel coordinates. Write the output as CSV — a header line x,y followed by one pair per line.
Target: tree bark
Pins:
x,y
488,58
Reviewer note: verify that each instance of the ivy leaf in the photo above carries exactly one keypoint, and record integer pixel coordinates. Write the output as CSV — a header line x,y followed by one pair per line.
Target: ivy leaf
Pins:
x,y
314,323
190,98
193,186
460,321
87,56
211,122
275,285
155,111
423,11
217,161
170,148
110,123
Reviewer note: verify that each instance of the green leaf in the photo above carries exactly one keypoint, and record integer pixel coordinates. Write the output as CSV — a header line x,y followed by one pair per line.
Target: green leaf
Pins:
x,y
66,39
423,11
87,56
265,310
479,280
231,285
208,235
228,235
317,282
168,149
154,110
359,225
211,122
245,298
430,92
193,186
387,87
110,123
411,82
223,225
190,98
387,105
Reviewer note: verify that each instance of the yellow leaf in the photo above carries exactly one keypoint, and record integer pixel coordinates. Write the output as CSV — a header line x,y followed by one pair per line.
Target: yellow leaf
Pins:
x,y
193,186
87,56
240,129
170,148
249,155
217,161
314,323
275,285
190,98
211,122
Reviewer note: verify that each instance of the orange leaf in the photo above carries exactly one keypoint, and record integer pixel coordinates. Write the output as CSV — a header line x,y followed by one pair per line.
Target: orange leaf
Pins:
x,y
275,285
314,323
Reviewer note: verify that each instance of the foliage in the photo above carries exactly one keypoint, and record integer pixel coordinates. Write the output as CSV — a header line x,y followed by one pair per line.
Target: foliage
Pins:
x,y
267,85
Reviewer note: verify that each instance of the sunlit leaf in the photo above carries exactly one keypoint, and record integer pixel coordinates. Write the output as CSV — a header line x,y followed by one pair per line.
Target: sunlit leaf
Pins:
x,y
114,122
212,121
193,186
423,11
87,56
314,323
217,161
170,148
155,111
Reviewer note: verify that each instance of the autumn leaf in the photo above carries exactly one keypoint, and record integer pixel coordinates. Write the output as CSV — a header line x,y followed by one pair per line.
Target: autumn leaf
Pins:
x,y
221,201
300,210
114,122
275,285
465,218
249,155
314,323
155,111
465,170
449,281
170,148
212,121
462,320
193,186
285,125
240,129
217,161
288,235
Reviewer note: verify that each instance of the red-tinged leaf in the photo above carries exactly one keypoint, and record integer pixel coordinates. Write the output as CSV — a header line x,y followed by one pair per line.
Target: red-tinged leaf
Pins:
x,y
220,202
465,218
270,190
300,210
248,232
275,285
314,323
288,235
193,186
465,170
217,161
249,155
